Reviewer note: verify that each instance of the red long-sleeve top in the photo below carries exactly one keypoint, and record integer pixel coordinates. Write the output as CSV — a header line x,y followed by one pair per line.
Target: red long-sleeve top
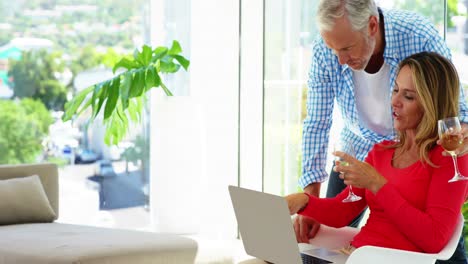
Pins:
x,y
416,210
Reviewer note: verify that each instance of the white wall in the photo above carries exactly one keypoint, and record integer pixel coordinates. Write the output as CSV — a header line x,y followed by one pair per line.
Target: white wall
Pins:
x,y
194,139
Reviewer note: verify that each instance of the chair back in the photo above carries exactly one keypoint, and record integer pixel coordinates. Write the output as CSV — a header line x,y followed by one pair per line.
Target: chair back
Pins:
x,y
449,249
381,255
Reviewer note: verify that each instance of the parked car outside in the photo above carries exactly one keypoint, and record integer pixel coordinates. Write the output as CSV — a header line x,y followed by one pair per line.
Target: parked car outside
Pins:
x,y
85,156
104,168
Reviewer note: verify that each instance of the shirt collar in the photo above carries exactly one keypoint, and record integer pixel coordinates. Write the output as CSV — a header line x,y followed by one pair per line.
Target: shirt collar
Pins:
x,y
390,50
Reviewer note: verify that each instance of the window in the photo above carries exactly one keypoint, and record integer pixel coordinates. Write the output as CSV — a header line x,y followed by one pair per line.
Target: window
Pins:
x,y
289,32
48,51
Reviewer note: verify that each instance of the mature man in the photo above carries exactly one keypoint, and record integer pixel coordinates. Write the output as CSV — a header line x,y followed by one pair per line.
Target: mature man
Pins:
x,y
354,63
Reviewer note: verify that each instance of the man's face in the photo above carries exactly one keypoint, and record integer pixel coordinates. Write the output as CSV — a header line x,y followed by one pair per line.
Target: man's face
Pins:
x,y
353,48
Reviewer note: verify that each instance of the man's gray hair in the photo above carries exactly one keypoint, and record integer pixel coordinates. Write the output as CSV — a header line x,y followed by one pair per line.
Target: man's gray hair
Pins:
x,y
357,11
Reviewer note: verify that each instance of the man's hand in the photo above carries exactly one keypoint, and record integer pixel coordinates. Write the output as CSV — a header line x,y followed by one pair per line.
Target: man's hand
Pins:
x,y
463,149
296,202
306,227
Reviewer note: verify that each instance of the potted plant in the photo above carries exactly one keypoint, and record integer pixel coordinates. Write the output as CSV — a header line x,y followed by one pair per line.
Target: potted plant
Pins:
x,y
121,98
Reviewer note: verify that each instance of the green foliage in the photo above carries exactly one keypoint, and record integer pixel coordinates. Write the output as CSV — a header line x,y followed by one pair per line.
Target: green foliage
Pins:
x,y
452,10
465,228
52,94
121,98
114,22
22,129
5,37
34,76
432,9
87,58
37,112
138,152
58,160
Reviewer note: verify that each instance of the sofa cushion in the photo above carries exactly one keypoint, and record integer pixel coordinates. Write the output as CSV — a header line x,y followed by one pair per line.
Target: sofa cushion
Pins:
x,y
23,200
75,244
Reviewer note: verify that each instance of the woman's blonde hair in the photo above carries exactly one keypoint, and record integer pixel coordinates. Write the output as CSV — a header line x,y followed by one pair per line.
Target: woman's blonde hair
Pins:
x,y
438,87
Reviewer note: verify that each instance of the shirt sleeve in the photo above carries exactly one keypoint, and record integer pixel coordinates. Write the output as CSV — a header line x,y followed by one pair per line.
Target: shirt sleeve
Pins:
x,y
316,128
332,211
431,228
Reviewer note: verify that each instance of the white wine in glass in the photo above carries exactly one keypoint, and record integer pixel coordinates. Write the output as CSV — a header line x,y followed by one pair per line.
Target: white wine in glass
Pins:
x,y
451,139
347,148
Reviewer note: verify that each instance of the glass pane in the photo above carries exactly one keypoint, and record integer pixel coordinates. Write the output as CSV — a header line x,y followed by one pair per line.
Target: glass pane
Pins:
x,y
457,39
49,51
177,27
289,32
432,9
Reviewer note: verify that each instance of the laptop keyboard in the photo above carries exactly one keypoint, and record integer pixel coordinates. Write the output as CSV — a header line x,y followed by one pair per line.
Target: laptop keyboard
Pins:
x,y
307,259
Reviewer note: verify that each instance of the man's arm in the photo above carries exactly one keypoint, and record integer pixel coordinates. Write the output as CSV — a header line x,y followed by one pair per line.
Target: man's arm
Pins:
x,y
320,101
313,189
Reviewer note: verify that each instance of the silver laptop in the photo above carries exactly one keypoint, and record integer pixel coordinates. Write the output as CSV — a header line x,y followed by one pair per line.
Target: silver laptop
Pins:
x,y
267,232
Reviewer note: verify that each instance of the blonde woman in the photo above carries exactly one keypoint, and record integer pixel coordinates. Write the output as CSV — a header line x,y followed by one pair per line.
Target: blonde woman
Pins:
x,y
404,183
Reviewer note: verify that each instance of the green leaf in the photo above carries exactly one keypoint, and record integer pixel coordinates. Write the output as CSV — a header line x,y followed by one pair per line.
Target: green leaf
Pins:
x,y
96,90
103,96
159,52
175,48
183,61
84,107
138,84
72,106
169,67
125,63
113,129
125,88
122,97
166,90
145,55
112,99
98,97
134,109
152,78
149,78
116,126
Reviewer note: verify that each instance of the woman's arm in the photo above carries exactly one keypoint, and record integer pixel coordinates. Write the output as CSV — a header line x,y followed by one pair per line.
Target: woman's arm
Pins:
x,y
431,228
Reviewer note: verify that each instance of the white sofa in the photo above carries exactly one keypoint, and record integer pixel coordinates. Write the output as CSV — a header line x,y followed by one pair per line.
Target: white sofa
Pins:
x,y
58,243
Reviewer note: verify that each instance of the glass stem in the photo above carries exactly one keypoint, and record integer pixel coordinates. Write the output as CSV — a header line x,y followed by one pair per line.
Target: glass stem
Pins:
x,y
455,164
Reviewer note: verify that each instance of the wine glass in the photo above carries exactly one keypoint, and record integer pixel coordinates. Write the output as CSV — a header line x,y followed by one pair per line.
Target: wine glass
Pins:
x,y
451,139
349,149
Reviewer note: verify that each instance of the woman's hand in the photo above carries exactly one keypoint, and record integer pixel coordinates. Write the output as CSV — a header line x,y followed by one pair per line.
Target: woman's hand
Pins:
x,y
463,148
358,173
296,202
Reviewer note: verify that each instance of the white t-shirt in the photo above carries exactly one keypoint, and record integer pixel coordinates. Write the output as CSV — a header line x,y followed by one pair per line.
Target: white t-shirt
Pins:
x,y
372,96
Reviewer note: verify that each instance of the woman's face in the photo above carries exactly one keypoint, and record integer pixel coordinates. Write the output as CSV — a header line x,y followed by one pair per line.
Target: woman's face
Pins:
x,y
406,107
